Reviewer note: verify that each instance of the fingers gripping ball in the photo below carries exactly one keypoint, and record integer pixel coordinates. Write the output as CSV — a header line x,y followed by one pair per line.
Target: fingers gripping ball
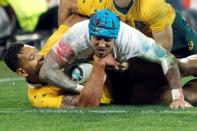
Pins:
x,y
81,72
124,66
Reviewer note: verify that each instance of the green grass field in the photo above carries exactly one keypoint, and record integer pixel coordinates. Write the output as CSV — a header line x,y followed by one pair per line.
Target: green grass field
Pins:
x,y
16,114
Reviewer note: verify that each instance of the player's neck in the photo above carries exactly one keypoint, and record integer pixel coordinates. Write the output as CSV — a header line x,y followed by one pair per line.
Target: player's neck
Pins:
x,y
33,80
123,3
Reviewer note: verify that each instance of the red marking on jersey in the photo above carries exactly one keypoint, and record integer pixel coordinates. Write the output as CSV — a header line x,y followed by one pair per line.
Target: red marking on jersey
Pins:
x,y
64,52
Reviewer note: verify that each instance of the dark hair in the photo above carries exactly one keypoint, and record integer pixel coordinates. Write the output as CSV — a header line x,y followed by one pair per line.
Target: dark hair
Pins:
x,y
11,55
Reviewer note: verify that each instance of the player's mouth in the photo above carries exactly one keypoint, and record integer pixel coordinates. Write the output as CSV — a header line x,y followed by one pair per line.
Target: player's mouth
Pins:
x,y
101,52
41,61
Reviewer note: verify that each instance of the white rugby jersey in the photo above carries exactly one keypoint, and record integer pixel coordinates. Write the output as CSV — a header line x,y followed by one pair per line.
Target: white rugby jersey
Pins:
x,y
75,44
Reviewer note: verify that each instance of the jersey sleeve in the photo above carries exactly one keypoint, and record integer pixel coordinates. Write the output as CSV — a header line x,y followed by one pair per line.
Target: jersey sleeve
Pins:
x,y
158,14
54,38
63,50
132,43
68,48
147,48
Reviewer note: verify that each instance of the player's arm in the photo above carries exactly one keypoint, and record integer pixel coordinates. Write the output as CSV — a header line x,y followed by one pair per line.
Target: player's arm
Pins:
x,y
63,53
164,38
57,58
51,72
157,54
160,20
64,10
149,50
91,94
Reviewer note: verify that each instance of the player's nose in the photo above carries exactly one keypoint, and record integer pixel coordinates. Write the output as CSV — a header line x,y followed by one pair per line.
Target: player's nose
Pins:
x,y
101,43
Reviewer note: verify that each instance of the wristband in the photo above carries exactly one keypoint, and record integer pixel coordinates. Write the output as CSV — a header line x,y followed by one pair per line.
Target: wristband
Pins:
x,y
176,94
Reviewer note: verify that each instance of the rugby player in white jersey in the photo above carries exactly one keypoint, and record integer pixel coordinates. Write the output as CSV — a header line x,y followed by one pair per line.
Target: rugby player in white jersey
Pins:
x,y
105,36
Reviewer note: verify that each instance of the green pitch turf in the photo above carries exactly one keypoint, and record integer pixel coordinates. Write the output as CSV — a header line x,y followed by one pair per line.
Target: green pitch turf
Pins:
x,y
16,114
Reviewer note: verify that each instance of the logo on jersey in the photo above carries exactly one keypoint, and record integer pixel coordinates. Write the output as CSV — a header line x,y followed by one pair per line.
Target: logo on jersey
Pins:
x,y
190,45
139,24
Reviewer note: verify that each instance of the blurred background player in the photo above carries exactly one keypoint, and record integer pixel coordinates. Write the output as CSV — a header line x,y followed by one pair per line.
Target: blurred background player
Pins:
x,y
31,21
33,15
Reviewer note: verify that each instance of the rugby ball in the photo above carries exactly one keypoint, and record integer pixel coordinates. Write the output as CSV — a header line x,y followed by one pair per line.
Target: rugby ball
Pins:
x,y
81,72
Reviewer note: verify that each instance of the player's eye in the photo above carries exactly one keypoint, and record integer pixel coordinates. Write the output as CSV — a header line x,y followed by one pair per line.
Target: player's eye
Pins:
x,y
106,39
32,56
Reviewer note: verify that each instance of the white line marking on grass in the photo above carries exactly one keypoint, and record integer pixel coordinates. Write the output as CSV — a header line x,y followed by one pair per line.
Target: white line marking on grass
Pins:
x,y
108,111
73,111
10,79
78,111
170,112
40,111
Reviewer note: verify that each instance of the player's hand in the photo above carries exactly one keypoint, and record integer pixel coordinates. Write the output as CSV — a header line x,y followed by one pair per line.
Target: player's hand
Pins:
x,y
180,103
107,61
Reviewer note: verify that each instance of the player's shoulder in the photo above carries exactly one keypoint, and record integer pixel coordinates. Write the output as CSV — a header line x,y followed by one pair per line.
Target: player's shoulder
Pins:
x,y
124,25
81,25
126,28
79,28
125,34
146,6
149,2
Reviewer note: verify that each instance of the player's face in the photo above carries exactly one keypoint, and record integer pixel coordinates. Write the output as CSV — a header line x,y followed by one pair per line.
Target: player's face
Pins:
x,y
31,60
102,46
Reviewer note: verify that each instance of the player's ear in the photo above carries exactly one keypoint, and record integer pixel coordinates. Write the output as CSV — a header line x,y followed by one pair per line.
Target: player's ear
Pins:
x,y
21,72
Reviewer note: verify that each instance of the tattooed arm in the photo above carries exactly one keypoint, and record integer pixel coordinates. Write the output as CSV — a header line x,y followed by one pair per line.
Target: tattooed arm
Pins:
x,y
66,9
51,72
91,94
171,71
64,52
148,49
